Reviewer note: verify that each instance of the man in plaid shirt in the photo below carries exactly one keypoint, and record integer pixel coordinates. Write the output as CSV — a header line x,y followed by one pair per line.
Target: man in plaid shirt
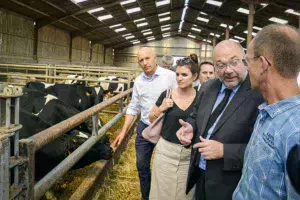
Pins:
x,y
273,58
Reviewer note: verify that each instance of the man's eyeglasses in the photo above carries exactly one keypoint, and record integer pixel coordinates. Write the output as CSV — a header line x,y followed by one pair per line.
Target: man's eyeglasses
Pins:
x,y
184,61
233,63
247,59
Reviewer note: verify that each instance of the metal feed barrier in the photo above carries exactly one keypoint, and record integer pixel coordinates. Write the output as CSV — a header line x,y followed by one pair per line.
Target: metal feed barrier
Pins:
x,y
22,163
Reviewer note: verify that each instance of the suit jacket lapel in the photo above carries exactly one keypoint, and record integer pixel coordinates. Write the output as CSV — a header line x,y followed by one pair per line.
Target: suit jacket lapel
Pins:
x,y
210,98
236,101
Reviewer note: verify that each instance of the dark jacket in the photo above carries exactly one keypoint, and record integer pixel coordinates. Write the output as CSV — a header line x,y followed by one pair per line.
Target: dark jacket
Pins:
x,y
233,130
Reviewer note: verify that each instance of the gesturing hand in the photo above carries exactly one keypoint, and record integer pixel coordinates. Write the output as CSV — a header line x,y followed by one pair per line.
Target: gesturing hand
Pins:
x,y
210,149
185,133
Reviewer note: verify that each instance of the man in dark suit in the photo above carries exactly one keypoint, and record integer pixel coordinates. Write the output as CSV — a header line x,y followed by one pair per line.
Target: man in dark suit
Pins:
x,y
220,126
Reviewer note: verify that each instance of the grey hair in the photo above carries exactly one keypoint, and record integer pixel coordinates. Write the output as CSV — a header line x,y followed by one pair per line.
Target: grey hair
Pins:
x,y
168,59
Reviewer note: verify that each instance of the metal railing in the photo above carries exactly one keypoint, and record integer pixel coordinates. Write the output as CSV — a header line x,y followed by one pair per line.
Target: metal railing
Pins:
x,y
24,186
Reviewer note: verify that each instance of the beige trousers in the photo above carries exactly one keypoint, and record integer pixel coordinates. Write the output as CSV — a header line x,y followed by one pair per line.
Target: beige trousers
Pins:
x,y
169,172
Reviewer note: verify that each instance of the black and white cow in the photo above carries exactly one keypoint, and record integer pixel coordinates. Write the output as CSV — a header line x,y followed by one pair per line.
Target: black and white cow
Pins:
x,y
50,109
52,154
115,87
78,96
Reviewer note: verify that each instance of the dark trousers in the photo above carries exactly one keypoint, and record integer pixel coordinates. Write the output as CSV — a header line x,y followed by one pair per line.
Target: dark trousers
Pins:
x,y
144,150
200,186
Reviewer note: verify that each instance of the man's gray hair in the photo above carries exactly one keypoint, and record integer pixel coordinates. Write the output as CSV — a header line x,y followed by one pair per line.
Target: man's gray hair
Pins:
x,y
282,43
168,59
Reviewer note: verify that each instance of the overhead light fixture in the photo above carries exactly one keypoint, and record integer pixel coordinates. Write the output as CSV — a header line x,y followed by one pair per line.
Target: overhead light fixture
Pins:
x,y
163,14
127,2
166,25
104,17
257,28
164,19
151,39
136,42
196,29
113,26
133,10
120,29
142,24
146,30
95,10
195,25
166,35
147,33
202,19
253,33
278,20
165,29
78,1
243,10
225,26
234,40
129,37
161,3
291,11
179,31
240,38
264,4
215,3
203,13
191,36
213,34
138,20
205,40
180,25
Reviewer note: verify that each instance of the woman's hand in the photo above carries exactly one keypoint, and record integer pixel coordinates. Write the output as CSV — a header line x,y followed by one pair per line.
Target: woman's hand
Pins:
x,y
166,104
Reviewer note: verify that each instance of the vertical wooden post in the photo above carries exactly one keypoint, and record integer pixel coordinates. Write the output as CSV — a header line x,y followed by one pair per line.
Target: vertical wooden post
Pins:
x,y
104,54
35,40
214,41
227,33
70,47
250,22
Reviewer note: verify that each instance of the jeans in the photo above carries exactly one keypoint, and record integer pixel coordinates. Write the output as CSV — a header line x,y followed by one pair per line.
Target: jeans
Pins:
x,y
144,150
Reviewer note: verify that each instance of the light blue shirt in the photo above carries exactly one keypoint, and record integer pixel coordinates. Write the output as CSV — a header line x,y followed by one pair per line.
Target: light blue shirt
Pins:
x,y
147,90
221,95
276,131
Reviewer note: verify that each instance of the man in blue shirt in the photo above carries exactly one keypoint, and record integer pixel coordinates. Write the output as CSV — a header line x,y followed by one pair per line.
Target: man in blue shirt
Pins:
x,y
274,61
147,88
220,125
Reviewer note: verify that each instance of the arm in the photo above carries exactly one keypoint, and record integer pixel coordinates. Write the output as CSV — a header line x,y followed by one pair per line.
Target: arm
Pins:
x,y
132,110
128,120
160,106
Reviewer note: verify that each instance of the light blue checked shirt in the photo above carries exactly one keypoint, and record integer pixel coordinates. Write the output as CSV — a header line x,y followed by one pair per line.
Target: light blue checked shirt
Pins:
x,y
276,131
147,90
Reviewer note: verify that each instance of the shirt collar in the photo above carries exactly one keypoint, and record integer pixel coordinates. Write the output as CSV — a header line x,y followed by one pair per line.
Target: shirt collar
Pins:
x,y
223,87
279,107
156,73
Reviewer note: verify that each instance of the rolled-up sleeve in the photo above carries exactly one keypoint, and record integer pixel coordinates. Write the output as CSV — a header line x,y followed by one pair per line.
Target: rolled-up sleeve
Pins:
x,y
134,106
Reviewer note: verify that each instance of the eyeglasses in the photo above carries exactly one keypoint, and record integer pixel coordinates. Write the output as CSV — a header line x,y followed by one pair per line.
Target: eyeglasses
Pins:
x,y
184,61
233,63
247,59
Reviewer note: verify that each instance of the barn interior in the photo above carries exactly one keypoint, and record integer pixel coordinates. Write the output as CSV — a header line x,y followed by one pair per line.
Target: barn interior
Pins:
x,y
40,39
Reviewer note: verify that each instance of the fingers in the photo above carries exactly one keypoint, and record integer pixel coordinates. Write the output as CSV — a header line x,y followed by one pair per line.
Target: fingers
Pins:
x,y
183,123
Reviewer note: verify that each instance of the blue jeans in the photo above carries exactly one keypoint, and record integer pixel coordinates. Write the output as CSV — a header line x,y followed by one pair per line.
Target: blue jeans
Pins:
x,y
144,150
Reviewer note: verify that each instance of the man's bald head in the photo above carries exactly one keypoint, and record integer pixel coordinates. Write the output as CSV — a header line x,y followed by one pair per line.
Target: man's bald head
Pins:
x,y
228,44
147,50
147,60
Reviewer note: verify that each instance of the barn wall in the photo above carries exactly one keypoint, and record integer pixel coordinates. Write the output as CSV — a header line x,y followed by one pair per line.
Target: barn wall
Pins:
x,y
53,45
97,54
178,47
109,56
16,38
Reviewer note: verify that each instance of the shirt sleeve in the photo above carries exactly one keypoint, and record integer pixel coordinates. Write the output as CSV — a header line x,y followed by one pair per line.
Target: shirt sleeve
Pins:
x,y
134,106
174,81
160,99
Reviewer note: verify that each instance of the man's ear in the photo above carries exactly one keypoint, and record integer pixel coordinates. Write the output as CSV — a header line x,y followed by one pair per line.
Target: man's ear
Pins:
x,y
265,64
